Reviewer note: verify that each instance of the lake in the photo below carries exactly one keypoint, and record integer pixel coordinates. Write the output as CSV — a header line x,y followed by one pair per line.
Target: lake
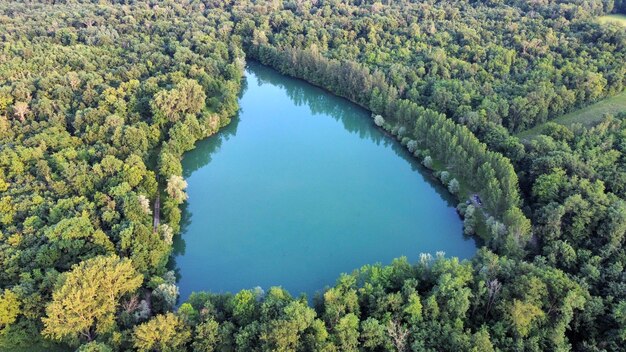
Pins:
x,y
300,187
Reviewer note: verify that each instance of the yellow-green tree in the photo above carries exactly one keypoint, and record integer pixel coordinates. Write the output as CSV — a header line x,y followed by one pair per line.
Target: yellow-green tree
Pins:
x,y
9,308
206,336
85,302
522,315
283,335
481,341
163,333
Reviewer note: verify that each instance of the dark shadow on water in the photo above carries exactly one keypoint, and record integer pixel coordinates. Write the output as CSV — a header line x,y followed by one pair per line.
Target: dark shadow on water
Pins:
x,y
194,160
204,150
320,101
179,246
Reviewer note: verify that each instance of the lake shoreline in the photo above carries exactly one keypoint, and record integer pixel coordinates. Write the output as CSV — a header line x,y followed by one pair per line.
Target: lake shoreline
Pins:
x,y
291,224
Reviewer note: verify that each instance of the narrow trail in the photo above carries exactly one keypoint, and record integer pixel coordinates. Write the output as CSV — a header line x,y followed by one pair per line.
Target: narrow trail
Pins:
x,y
157,212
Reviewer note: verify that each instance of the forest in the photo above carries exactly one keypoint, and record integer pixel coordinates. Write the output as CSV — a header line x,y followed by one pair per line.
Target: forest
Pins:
x,y
99,100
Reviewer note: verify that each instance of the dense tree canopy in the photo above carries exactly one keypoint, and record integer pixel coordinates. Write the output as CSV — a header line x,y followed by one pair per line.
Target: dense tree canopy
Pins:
x,y
87,300
91,97
100,99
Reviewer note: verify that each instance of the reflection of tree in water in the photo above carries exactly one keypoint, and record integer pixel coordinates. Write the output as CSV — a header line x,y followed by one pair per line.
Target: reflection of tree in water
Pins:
x,y
204,150
179,246
244,88
194,160
354,118
201,154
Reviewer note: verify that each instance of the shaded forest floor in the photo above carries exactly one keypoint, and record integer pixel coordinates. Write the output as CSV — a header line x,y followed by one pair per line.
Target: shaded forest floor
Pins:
x,y
587,116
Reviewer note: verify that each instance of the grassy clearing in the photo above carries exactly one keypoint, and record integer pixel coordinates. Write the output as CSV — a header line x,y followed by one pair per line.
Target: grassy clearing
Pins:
x,y
614,18
591,114
587,116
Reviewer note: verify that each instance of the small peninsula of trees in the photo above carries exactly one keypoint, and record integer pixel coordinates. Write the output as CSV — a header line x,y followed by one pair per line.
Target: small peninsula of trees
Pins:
x,y
99,101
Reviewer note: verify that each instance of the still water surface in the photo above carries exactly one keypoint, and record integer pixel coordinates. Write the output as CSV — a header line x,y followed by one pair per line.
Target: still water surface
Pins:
x,y
301,187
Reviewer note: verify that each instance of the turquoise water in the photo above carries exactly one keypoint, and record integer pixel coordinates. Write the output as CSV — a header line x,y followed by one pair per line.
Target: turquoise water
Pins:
x,y
301,187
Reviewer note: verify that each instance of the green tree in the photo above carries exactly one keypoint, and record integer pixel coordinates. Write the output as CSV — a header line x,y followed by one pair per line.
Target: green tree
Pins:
x,y
187,97
619,314
206,336
413,308
373,333
346,333
244,306
284,334
454,187
481,341
94,347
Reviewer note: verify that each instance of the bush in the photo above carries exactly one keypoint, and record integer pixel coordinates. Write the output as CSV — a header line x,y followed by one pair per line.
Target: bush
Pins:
x,y
462,208
412,146
469,222
444,176
454,187
164,297
379,120
428,162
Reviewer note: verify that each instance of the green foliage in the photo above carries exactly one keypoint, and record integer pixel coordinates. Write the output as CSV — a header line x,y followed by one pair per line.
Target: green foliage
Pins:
x,y
206,336
619,313
347,333
81,129
454,186
284,334
373,333
438,304
88,296
522,316
244,306
481,342
97,100
187,97
169,165
94,347
469,220
428,161
576,175
163,333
